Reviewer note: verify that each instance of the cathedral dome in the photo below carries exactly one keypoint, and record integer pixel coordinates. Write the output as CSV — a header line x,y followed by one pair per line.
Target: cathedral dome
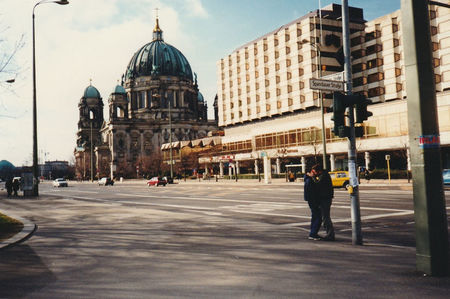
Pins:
x,y
119,89
91,92
158,58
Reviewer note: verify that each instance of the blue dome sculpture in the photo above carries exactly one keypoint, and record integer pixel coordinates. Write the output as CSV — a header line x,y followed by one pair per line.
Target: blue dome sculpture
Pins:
x,y
158,58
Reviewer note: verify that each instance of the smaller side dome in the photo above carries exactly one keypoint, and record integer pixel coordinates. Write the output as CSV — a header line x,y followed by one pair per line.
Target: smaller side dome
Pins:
x,y
119,89
91,92
200,97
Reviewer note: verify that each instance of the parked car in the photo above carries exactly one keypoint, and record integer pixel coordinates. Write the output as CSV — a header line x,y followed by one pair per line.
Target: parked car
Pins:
x,y
340,179
168,179
105,181
60,182
156,181
446,176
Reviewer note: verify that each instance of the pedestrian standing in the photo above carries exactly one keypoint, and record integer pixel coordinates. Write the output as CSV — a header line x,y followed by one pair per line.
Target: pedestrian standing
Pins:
x,y
310,195
9,186
325,193
15,186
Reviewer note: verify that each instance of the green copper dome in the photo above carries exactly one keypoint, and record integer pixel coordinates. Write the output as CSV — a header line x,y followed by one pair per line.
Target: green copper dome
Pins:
x,y
119,89
158,58
91,92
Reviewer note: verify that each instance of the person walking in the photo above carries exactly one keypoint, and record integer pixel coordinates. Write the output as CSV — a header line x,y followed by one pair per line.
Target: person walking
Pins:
x,y
325,195
311,196
9,186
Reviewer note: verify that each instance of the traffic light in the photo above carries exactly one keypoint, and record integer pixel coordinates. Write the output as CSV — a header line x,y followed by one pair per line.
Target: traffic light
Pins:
x,y
361,110
339,105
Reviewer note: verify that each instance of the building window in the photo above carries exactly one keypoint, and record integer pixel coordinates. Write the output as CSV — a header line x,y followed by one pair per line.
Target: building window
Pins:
x,y
374,63
249,111
356,41
230,61
223,76
239,81
290,102
230,83
394,27
277,79
374,92
437,78
265,47
315,95
289,88
432,14
301,85
266,71
300,58
267,82
278,93
238,59
256,62
278,104
288,62
289,75
288,50
247,66
299,45
240,103
246,55
375,77
277,66
248,100
258,109
240,113
358,53
398,72
299,32
435,46
302,99
257,86
267,94
231,105
232,115
396,42
396,57
231,96
436,62
247,88
275,42
239,91
256,74
223,86
238,70
300,72
267,107
277,54
247,77
230,73
287,37
374,49
257,97
399,87
255,50
266,58
434,30
359,81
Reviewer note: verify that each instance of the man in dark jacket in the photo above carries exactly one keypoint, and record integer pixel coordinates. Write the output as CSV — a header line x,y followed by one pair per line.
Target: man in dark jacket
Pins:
x,y
325,194
310,195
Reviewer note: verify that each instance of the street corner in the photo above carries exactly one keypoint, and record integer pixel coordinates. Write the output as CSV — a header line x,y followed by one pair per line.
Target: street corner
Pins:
x,y
29,228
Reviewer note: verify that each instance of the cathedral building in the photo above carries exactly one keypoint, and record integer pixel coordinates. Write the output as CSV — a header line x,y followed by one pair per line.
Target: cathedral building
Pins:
x,y
158,93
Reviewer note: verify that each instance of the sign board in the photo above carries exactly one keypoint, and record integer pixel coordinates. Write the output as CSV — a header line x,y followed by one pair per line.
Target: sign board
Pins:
x,y
429,141
27,181
334,77
329,85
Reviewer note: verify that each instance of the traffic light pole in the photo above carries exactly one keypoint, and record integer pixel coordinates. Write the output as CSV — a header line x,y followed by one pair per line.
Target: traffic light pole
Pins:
x,y
354,192
429,199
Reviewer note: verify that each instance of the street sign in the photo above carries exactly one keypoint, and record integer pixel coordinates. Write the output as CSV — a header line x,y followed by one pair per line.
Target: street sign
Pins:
x,y
334,77
326,85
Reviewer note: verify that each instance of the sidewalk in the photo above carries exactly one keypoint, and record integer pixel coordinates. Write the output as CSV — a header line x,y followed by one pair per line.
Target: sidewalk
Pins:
x,y
28,230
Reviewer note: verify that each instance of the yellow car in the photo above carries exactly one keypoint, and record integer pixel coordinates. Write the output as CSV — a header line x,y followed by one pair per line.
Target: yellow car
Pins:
x,y
340,179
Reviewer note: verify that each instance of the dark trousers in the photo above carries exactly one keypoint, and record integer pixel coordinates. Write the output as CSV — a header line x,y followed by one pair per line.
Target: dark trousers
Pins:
x,y
316,218
325,205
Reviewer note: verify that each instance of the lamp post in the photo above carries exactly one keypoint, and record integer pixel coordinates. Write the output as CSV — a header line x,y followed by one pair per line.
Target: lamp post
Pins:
x,y
319,64
35,144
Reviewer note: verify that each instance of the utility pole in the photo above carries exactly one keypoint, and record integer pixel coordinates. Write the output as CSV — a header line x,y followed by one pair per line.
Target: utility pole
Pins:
x,y
354,192
423,127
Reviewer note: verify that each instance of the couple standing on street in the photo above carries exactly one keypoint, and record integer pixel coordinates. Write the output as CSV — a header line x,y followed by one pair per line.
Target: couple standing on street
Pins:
x,y
319,193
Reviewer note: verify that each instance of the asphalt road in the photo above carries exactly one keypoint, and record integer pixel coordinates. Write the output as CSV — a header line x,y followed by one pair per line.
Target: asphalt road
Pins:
x,y
212,241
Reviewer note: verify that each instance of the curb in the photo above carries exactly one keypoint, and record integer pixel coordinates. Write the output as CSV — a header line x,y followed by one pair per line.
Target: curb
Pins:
x,y
29,228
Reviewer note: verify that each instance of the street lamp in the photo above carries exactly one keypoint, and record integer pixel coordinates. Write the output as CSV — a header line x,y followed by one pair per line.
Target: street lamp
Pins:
x,y
35,144
319,64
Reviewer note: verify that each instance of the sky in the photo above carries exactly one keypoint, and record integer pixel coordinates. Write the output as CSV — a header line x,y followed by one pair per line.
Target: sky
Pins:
x,y
95,40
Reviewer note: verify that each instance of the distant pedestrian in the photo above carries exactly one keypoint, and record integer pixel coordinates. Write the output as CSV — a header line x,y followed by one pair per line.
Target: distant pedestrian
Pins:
x,y
325,194
15,186
310,195
9,186
367,175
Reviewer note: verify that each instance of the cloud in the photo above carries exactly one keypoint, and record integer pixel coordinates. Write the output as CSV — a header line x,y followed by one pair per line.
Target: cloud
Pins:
x,y
195,7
